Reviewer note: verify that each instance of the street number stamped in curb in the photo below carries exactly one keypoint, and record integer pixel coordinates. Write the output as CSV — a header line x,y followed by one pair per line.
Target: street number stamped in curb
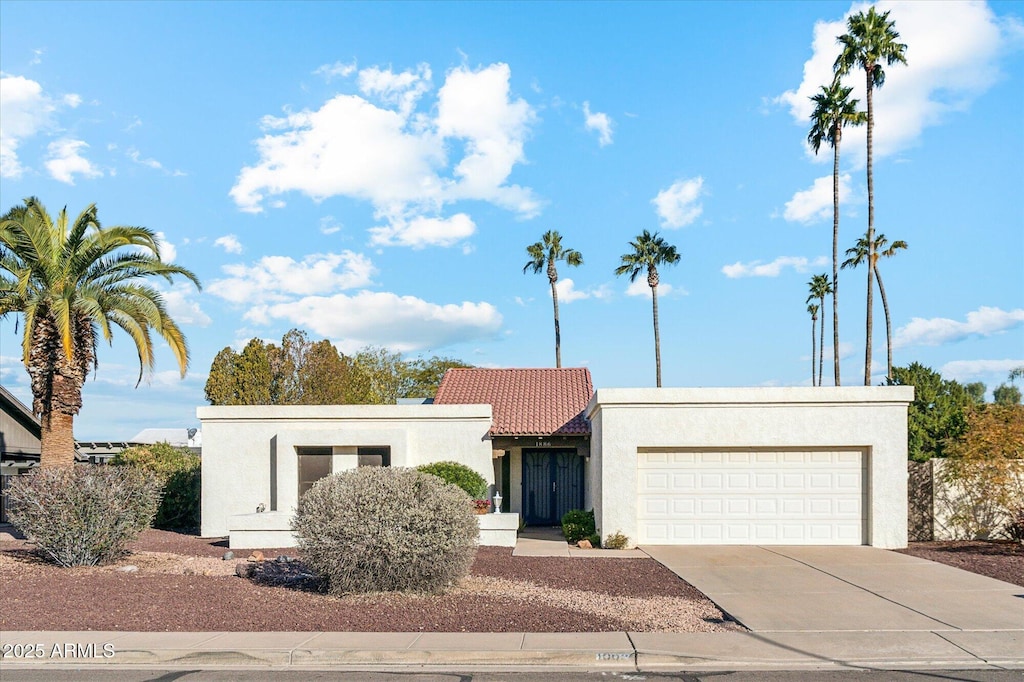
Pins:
x,y
614,656
59,650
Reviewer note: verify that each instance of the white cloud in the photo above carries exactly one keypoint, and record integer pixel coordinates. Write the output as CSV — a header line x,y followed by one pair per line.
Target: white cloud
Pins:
x,y
167,250
679,205
395,158
65,161
24,111
136,156
401,323
952,58
421,232
278,278
816,203
567,291
774,269
397,89
229,243
985,321
966,370
328,225
183,308
639,287
335,70
598,122
72,100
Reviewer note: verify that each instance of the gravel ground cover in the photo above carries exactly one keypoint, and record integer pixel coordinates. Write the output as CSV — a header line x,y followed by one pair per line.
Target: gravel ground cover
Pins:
x,y
175,582
999,559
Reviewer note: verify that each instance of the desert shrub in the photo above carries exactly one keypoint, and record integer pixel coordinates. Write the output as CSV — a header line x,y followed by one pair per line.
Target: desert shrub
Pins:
x,y
594,540
578,524
982,480
1014,527
386,529
83,515
460,475
179,473
616,540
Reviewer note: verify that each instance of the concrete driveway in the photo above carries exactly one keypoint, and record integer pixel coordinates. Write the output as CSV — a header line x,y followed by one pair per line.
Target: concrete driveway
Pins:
x,y
845,589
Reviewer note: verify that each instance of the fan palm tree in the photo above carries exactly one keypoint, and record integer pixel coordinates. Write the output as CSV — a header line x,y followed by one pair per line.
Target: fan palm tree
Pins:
x,y
820,287
543,255
812,308
881,248
72,281
870,40
833,109
649,251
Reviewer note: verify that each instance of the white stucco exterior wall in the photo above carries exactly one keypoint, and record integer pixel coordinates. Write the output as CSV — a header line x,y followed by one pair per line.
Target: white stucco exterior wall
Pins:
x,y
249,452
866,417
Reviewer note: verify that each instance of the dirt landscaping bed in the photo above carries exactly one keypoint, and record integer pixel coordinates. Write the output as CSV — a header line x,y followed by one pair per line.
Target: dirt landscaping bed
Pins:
x,y
175,582
999,559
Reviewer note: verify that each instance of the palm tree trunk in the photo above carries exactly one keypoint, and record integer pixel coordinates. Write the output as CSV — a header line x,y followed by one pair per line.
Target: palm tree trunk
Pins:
x,y
821,346
814,348
888,326
57,445
558,331
871,228
657,336
835,253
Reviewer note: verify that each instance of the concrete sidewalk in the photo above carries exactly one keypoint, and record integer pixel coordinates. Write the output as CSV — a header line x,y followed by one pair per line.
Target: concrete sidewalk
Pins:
x,y
610,651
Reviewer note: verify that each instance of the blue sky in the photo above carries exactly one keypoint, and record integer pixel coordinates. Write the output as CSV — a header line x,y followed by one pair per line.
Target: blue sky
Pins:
x,y
372,173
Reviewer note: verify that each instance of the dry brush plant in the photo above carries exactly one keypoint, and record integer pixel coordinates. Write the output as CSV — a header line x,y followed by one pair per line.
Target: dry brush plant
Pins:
x,y
83,515
984,474
386,529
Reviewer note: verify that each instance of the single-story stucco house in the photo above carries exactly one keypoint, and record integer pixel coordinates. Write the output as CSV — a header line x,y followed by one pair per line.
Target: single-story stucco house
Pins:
x,y
662,466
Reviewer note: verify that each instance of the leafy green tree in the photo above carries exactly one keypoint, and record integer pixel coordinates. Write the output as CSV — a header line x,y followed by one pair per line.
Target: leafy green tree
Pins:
x,y
1006,394
936,416
72,281
543,256
833,109
820,287
813,309
422,376
864,251
253,377
220,382
649,251
976,390
378,375
871,39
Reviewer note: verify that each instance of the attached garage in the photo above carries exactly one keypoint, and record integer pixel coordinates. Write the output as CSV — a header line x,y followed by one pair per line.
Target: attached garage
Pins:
x,y
751,496
772,466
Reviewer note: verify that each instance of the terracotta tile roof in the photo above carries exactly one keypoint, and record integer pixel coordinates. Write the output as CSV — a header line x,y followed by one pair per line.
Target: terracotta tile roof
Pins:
x,y
525,402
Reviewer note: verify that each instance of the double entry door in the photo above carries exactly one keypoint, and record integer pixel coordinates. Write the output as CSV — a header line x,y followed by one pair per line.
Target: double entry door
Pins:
x,y
552,485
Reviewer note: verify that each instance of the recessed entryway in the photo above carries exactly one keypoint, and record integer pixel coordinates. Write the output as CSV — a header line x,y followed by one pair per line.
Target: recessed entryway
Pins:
x,y
552,485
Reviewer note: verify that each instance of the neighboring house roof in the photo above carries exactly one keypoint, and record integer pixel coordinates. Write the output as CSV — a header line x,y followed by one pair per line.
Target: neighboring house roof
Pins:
x,y
524,402
179,437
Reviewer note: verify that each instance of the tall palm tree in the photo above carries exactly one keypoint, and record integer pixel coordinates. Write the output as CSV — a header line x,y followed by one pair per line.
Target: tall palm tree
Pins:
x,y
71,281
649,251
833,109
870,40
820,287
812,308
544,254
864,251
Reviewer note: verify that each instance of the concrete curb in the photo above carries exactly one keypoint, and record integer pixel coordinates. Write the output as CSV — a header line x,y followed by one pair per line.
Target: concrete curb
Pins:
x,y
608,651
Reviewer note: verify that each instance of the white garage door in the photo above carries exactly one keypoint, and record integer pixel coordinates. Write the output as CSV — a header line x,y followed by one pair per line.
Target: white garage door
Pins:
x,y
807,497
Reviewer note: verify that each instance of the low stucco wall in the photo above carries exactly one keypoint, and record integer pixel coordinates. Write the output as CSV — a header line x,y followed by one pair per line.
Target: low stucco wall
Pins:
x,y
873,419
250,457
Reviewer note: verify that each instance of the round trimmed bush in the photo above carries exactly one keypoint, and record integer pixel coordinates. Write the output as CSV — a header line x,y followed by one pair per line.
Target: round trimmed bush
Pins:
x,y
86,514
386,529
460,475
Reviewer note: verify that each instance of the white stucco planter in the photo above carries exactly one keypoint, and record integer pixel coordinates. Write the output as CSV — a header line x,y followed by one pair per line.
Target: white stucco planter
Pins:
x,y
498,530
259,531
